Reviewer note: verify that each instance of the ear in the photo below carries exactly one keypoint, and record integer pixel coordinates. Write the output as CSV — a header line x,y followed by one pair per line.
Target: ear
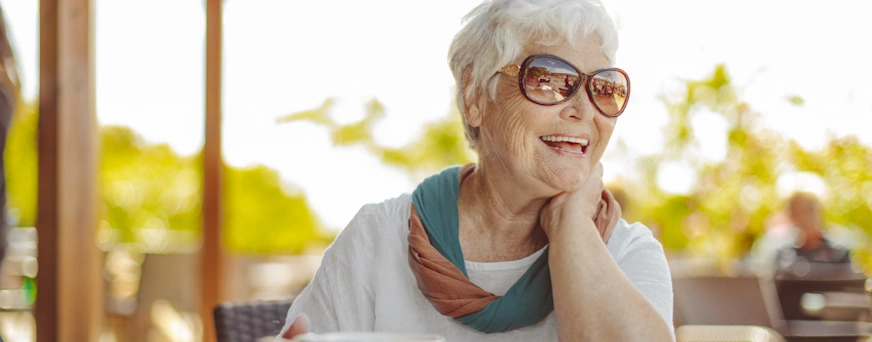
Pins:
x,y
472,106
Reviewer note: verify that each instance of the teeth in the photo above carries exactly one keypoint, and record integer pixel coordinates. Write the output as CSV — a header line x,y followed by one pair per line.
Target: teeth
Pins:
x,y
554,138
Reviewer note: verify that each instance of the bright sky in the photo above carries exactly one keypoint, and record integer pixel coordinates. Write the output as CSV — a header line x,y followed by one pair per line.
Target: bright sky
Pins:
x,y
286,56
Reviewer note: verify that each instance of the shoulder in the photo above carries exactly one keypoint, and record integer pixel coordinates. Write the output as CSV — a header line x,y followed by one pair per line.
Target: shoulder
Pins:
x,y
397,209
837,252
640,257
374,226
628,239
835,245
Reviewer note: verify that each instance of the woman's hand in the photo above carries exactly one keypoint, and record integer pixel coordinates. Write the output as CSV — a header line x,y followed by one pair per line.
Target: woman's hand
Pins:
x,y
299,327
573,210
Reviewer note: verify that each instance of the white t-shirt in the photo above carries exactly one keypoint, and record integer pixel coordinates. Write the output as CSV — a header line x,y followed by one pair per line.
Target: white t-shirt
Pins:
x,y
365,282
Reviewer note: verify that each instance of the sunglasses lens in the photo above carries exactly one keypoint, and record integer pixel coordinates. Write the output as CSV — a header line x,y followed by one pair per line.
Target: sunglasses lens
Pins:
x,y
609,90
549,81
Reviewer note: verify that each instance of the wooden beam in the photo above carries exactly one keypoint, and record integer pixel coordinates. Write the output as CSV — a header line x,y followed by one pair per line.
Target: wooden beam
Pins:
x,y
212,166
69,304
46,306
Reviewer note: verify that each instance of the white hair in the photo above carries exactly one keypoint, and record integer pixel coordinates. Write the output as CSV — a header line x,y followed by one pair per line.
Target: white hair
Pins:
x,y
497,31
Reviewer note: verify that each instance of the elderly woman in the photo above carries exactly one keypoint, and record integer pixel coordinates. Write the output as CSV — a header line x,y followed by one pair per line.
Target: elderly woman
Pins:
x,y
524,245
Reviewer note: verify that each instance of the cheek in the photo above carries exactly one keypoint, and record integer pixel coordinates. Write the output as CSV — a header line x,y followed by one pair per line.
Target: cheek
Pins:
x,y
508,121
605,126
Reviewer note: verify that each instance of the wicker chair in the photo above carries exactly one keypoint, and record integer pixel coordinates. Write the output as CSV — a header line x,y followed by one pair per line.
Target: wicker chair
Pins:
x,y
248,322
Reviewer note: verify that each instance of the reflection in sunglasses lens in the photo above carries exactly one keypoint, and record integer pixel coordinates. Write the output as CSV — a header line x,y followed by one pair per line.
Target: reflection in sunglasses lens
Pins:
x,y
608,89
550,81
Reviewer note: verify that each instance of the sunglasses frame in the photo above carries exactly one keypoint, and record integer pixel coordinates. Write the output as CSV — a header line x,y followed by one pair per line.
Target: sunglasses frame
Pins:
x,y
520,71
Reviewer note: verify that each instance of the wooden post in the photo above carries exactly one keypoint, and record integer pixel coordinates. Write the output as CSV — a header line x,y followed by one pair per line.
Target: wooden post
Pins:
x,y
69,304
212,164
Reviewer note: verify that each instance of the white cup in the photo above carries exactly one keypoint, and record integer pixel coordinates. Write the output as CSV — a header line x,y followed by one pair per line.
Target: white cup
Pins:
x,y
367,337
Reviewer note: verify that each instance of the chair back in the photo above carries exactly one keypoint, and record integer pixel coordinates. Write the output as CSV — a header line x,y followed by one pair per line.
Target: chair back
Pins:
x,y
249,322
715,300
791,292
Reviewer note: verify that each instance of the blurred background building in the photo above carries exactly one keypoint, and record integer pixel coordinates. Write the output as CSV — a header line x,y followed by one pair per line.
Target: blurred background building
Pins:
x,y
234,139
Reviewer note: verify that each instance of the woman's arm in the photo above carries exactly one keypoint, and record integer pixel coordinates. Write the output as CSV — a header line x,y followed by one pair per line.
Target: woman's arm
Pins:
x,y
593,299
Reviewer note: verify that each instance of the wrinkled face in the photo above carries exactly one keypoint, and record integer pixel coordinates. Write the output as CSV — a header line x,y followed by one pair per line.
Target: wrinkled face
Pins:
x,y
557,146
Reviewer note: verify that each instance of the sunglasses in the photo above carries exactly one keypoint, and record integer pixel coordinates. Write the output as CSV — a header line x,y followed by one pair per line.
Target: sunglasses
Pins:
x,y
549,80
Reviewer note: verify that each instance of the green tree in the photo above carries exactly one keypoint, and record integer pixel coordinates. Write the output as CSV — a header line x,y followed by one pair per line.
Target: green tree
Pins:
x,y
265,216
21,166
147,190
150,196
726,210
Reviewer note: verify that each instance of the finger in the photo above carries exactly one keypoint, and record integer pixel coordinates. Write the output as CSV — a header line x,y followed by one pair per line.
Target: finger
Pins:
x,y
300,326
608,232
554,203
559,198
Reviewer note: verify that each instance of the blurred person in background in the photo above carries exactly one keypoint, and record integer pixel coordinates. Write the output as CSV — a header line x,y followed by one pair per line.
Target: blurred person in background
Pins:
x,y
525,244
811,247
779,233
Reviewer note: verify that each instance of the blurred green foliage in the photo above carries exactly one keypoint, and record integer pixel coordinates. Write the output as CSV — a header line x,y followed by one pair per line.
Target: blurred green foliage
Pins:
x,y
441,144
145,190
21,168
264,215
796,101
727,207
150,197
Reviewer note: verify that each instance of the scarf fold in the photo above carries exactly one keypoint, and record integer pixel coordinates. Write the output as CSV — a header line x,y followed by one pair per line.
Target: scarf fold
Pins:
x,y
437,261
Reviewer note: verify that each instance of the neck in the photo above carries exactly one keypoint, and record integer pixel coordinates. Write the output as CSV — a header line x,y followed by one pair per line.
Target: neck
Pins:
x,y
497,213
812,239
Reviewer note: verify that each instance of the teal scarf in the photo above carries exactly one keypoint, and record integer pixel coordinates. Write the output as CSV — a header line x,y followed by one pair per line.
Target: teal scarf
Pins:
x,y
527,302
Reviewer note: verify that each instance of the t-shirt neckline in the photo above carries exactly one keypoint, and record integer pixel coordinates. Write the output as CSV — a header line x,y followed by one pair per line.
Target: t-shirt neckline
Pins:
x,y
524,262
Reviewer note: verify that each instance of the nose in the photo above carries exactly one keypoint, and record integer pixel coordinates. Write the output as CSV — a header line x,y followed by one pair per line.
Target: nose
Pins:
x,y
578,108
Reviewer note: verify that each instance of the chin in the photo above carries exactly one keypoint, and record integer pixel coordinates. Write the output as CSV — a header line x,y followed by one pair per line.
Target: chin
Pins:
x,y
566,179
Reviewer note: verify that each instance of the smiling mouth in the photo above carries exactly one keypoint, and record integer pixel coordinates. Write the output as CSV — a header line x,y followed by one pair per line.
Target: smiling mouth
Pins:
x,y
566,144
